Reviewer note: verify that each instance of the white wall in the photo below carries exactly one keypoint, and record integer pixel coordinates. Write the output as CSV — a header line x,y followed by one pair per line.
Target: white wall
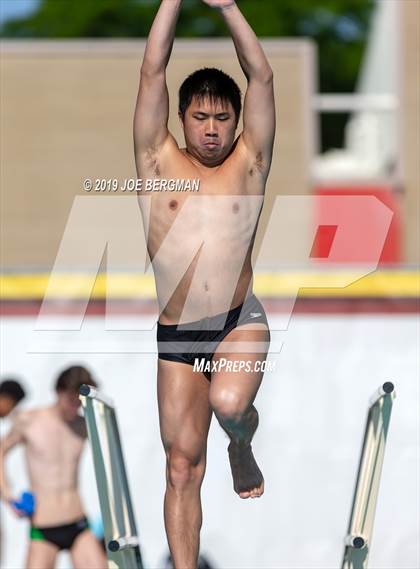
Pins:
x,y
313,409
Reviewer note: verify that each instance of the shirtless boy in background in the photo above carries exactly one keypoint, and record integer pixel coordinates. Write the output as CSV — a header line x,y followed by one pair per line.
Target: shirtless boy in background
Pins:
x,y
54,438
210,304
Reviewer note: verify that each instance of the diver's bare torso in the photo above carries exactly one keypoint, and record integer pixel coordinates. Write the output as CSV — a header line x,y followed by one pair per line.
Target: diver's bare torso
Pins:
x,y
52,450
213,243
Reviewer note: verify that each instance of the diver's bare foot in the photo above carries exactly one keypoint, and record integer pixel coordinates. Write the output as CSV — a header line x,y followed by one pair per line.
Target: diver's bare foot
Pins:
x,y
248,480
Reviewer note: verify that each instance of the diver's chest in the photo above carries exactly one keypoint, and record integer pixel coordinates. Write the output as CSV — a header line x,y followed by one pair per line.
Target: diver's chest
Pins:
x,y
204,214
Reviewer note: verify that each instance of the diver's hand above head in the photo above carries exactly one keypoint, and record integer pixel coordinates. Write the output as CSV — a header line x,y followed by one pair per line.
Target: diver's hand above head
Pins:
x,y
220,3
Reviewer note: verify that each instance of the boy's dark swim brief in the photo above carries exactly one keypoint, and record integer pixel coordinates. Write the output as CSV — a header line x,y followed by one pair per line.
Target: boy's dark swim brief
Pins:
x,y
199,339
62,536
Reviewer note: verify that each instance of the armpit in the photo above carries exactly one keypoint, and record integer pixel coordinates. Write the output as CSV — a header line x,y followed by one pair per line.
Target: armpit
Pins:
x,y
151,161
258,165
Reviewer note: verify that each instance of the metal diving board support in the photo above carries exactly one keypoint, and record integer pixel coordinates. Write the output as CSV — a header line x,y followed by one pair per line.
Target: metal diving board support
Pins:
x,y
120,530
360,528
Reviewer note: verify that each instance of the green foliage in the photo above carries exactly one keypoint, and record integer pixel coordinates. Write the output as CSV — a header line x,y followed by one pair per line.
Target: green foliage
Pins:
x,y
339,27
84,18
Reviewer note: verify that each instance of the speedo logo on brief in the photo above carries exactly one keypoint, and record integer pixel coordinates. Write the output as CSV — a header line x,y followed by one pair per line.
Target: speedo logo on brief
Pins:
x,y
254,314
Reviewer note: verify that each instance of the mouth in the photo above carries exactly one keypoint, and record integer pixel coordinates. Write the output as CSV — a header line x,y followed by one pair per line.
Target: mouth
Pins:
x,y
211,144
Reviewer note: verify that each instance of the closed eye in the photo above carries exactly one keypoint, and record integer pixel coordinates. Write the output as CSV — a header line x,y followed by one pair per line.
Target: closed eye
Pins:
x,y
218,117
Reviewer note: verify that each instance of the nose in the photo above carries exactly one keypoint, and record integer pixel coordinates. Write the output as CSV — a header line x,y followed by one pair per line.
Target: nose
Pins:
x,y
211,129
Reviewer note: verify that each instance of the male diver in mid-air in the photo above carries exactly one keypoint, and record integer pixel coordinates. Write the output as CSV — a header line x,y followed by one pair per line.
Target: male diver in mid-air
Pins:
x,y
209,307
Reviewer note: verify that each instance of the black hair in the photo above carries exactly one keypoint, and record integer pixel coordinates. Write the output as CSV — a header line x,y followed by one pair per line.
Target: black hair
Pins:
x,y
12,389
72,378
213,84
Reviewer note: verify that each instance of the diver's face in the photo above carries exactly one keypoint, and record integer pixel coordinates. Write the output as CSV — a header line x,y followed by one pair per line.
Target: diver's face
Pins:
x,y
209,129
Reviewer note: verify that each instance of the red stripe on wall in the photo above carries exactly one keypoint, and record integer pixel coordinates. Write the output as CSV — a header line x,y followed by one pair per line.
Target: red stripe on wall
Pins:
x,y
272,306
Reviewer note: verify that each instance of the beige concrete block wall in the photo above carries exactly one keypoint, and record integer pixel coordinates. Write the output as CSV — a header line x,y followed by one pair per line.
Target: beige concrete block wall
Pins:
x,y
66,115
410,125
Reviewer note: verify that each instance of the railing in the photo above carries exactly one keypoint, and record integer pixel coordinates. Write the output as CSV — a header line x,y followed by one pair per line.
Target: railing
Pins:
x,y
114,495
111,478
353,102
359,533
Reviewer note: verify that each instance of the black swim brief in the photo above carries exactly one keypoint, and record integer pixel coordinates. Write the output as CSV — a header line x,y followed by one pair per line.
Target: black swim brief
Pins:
x,y
199,339
61,536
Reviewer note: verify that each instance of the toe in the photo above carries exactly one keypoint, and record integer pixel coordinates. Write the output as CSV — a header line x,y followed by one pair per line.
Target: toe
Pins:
x,y
257,492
